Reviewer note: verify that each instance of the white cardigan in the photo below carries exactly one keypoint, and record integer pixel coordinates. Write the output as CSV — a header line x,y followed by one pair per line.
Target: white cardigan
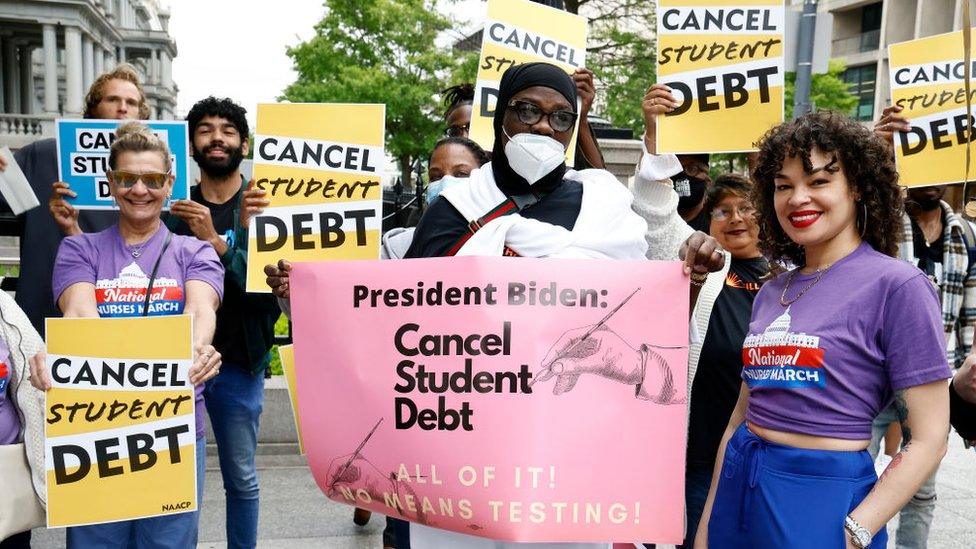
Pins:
x,y
656,201
24,342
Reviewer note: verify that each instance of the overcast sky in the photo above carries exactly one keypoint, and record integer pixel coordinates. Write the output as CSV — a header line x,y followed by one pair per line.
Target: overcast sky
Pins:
x,y
236,48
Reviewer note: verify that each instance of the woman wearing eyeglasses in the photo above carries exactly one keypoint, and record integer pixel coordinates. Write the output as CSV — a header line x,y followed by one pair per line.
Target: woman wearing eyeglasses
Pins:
x,y
722,315
458,101
547,209
106,274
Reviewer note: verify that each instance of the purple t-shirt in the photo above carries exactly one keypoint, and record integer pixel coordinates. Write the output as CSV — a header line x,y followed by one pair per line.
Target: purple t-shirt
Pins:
x,y
828,364
9,419
120,273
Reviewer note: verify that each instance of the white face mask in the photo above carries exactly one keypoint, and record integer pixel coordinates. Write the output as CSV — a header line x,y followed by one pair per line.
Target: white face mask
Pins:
x,y
533,156
435,188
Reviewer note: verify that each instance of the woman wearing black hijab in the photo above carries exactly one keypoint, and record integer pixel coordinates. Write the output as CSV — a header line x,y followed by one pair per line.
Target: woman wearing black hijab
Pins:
x,y
536,103
526,202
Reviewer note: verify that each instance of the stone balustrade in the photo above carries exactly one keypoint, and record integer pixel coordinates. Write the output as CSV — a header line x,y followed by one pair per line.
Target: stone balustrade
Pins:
x,y
18,130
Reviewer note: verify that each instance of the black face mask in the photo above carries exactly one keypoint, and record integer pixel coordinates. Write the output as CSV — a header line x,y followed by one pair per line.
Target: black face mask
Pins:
x,y
691,191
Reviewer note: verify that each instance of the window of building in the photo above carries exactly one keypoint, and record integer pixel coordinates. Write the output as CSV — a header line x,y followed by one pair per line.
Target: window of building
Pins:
x,y
861,82
871,18
870,37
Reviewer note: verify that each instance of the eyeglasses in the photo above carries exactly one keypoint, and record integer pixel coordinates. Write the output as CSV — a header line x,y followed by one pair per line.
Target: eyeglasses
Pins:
x,y
530,114
457,131
127,180
723,213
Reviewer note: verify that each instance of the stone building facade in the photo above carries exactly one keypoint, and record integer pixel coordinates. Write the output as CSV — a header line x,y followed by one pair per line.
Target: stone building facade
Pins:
x,y
52,50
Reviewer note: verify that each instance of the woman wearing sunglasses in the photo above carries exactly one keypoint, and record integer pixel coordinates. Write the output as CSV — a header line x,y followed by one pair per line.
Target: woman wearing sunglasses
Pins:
x,y
107,274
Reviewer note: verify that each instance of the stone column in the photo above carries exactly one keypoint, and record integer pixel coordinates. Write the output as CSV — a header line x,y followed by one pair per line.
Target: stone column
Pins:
x,y
109,59
122,54
167,70
11,84
154,66
72,60
26,80
87,61
99,60
50,69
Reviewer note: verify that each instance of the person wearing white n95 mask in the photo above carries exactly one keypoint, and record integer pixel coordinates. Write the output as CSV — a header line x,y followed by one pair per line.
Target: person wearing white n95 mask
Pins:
x,y
533,156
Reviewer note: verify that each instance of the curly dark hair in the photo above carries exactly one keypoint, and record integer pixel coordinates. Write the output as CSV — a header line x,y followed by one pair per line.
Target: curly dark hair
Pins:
x,y
455,96
223,108
867,164
479,154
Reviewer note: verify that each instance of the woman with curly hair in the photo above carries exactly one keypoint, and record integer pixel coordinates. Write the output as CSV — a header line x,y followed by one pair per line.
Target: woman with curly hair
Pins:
x,y
829,345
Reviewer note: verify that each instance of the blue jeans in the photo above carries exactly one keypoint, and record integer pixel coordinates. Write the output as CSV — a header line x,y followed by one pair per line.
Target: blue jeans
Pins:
x,y
698,479
178,531
915,518
234,401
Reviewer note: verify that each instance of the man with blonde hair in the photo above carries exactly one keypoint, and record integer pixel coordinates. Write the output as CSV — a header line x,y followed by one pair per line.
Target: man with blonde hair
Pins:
x,y
116,95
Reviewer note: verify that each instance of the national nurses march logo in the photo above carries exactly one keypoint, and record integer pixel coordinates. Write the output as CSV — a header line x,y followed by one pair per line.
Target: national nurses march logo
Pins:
x,y
780,358
4,377
126,294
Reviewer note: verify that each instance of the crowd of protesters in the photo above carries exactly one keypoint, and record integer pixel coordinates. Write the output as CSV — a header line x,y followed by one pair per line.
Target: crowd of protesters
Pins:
x,y
817,239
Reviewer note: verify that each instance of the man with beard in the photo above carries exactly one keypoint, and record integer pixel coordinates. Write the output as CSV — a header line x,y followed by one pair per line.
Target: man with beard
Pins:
x,y
940,243
218,212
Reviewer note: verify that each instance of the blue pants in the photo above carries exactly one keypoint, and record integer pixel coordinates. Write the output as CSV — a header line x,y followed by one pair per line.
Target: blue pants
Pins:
x,y
770,495
178,531
234,401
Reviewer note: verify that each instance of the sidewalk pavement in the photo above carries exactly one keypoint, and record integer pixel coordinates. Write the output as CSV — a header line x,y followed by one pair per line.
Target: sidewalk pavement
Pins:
x,y
295,514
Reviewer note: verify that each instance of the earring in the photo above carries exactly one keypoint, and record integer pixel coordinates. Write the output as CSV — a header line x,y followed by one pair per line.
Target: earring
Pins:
x,y
864,225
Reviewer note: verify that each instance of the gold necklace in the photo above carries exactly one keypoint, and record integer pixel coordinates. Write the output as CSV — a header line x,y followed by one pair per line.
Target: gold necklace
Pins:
x,y
789,280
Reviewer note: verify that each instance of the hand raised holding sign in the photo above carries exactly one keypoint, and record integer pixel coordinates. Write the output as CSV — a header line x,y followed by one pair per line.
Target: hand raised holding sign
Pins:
x,y
278,278
253,203
197,216
657,101
583,78
64,214
891,121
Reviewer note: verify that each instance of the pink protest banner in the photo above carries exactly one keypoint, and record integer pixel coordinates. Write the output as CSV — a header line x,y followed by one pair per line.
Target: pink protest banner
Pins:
x,y
514,399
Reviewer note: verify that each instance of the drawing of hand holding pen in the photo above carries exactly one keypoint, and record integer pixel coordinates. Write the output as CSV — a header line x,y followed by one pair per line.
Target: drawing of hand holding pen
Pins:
x,y
598,350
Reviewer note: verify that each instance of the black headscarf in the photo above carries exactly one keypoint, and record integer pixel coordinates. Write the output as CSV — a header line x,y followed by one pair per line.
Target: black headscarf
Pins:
x,y
514,80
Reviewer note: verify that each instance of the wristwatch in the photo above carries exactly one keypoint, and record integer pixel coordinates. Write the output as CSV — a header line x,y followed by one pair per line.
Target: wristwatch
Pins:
x,y
860,536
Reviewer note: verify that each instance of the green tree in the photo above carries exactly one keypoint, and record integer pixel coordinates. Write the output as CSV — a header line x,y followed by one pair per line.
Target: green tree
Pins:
x,y
379,51
621,54
828,91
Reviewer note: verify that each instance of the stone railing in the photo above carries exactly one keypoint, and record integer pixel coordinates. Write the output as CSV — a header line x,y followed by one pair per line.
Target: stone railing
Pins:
x,y
860,43
18,130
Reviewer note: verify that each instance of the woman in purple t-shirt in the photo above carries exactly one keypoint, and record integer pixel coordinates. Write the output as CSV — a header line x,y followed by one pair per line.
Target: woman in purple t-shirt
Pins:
x,y
829,345
107,274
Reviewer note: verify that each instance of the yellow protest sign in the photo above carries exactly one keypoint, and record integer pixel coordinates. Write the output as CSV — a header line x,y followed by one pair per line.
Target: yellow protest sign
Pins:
x,y
928,80
287,355
120,420
516,32
320,165
723,59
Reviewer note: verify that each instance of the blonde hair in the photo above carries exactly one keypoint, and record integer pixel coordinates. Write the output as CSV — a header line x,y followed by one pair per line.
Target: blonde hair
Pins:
x,y
123,71
137,137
